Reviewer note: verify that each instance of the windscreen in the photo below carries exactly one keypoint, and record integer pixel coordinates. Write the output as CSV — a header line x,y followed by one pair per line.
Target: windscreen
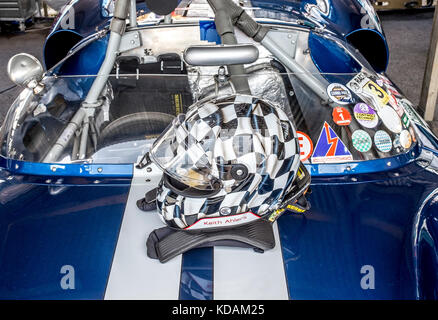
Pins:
x,y
364,116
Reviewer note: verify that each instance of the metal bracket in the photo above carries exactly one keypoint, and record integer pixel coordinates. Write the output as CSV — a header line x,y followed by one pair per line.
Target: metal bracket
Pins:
x,y
180,67
144,162
285,40
130,40
283,47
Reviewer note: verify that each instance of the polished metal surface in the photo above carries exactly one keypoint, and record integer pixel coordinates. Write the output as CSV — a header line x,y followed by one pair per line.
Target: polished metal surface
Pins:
x,y
221,55
23,68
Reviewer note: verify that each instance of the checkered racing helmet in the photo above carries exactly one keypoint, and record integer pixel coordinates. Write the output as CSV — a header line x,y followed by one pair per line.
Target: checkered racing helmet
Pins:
x,y
234,158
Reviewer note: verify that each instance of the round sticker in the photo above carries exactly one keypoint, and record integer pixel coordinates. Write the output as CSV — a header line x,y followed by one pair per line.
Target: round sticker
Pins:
x,y
339,93
306,146
383,141
405,139
365,115
341,116
390,119
361,141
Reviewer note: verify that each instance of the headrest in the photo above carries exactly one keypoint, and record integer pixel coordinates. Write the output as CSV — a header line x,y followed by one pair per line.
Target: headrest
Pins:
x,y
161,7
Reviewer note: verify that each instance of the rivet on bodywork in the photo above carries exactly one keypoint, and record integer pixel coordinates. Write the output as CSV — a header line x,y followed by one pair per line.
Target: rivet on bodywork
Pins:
x,y
148,169
99,170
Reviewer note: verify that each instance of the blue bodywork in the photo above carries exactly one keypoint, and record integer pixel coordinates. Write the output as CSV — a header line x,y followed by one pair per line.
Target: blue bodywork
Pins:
x,y
343,18
382,212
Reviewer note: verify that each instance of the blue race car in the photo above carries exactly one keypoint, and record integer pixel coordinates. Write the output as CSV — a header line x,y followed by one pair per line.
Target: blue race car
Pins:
x,y
75,146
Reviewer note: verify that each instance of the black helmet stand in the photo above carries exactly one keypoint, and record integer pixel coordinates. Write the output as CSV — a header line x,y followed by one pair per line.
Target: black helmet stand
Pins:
x,y
166,243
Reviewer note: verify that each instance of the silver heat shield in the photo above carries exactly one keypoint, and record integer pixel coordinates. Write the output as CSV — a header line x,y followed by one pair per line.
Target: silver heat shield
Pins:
x,y
264,82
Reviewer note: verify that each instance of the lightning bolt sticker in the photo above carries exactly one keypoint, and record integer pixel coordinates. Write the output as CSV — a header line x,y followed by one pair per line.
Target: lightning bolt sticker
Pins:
x,y
329,148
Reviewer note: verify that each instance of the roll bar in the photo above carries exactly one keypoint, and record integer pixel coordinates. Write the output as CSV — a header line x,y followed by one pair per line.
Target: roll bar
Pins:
x,y
87,110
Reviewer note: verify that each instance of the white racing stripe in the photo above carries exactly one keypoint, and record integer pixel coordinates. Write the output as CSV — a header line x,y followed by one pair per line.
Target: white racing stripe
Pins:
x,y
133,274
238,273
242,274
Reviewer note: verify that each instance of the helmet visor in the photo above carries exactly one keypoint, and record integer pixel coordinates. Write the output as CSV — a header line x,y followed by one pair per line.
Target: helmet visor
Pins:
x,y
185,154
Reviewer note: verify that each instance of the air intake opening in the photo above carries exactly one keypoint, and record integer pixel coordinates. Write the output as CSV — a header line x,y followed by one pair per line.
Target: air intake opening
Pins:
x,y
372,45
58,45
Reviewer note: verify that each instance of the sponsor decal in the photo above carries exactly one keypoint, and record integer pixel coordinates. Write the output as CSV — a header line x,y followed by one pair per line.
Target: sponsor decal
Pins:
x,y
339,93
412,132
306,146
275,215
411,113
329,148
385,80
369,91
177,100
393,102
341,116
383,141
389,86
365,115
405,139
370,19
392,90
226,221
405,120
375,90
358,82
300,174
380,82
296,209
361,141
390,119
